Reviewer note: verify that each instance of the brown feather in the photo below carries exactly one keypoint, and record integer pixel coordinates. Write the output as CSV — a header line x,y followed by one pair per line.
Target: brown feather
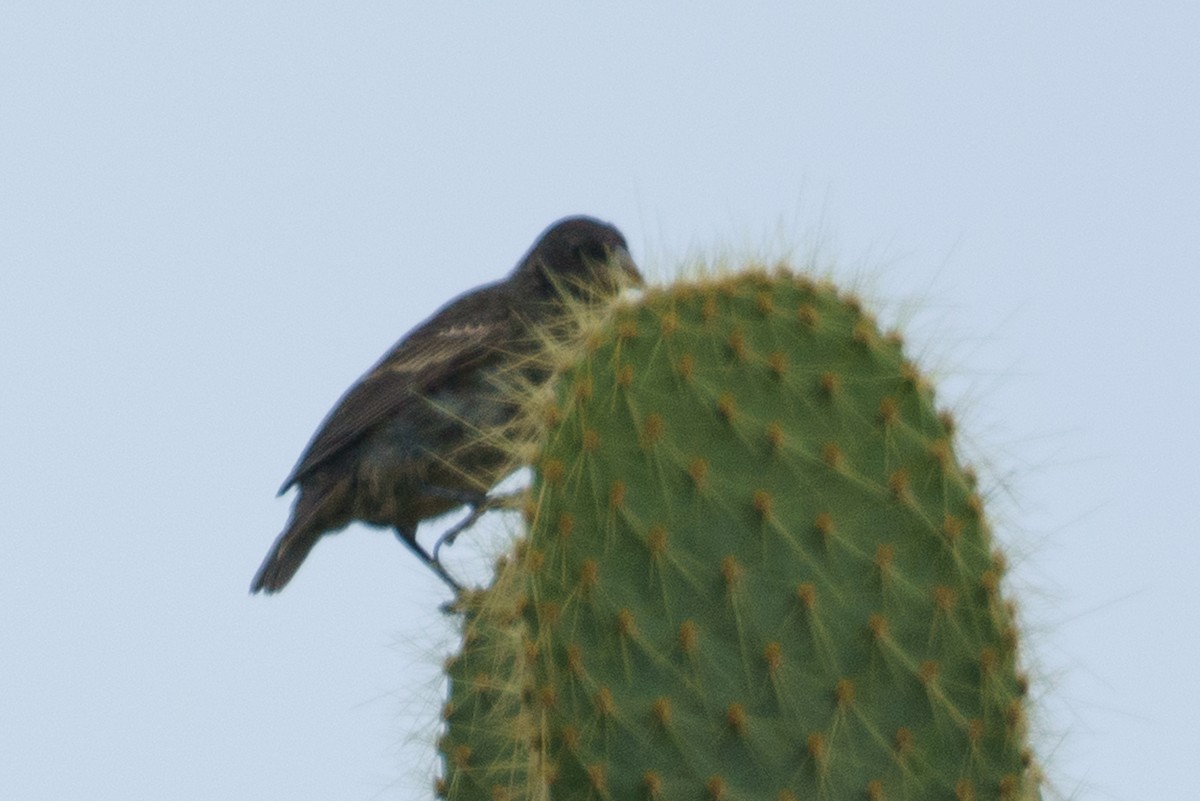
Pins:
x,y
431,354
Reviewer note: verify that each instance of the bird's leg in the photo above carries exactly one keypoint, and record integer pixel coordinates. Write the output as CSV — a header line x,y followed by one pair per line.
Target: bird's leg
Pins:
x,y
436,567
476,500
451,534
464,497
478,507
409,538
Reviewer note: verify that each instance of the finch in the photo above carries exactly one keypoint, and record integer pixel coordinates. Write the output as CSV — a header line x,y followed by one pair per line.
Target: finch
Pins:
x,y
404,444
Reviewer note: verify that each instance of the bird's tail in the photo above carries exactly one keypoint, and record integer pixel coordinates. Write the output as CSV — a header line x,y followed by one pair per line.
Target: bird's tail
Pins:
x,y
285,558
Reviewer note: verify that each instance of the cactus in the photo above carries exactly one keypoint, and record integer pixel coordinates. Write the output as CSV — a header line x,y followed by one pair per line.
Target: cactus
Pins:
x,y
754,569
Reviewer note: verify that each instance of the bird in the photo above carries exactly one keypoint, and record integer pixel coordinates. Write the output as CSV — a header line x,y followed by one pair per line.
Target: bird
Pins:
x,y
407,441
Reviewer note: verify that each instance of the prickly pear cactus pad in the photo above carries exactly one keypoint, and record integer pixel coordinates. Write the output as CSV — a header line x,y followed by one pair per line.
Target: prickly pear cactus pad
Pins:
x,y
487,748
754,570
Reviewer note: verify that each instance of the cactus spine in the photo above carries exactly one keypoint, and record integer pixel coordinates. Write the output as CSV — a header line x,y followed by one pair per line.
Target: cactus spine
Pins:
x,y
754,569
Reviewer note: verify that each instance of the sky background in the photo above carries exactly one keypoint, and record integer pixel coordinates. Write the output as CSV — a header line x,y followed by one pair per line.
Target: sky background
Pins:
x,y
215,216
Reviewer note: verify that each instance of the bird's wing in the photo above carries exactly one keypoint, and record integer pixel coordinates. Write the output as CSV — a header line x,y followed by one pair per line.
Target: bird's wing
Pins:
x,y
464,332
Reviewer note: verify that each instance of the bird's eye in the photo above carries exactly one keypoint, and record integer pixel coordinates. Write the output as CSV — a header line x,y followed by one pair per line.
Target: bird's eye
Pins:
x,y
592,251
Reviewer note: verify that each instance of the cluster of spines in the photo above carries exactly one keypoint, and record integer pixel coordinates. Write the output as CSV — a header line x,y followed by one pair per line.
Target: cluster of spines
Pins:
x,y
774,407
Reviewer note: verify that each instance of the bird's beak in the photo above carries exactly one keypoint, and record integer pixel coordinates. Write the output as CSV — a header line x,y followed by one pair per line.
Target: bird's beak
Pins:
x,y
628,267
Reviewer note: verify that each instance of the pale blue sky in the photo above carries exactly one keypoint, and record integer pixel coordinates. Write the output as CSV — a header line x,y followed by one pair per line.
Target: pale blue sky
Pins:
x,y
214,216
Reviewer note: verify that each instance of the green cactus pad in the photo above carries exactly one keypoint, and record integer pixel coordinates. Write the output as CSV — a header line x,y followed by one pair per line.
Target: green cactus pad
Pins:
x,y
489,729
754,570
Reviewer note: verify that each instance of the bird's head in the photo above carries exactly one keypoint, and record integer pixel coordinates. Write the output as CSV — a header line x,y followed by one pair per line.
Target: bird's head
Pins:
x,y
581,256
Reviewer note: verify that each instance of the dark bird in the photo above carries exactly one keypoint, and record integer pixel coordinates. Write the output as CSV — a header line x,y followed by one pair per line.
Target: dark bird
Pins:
x,y
408,441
